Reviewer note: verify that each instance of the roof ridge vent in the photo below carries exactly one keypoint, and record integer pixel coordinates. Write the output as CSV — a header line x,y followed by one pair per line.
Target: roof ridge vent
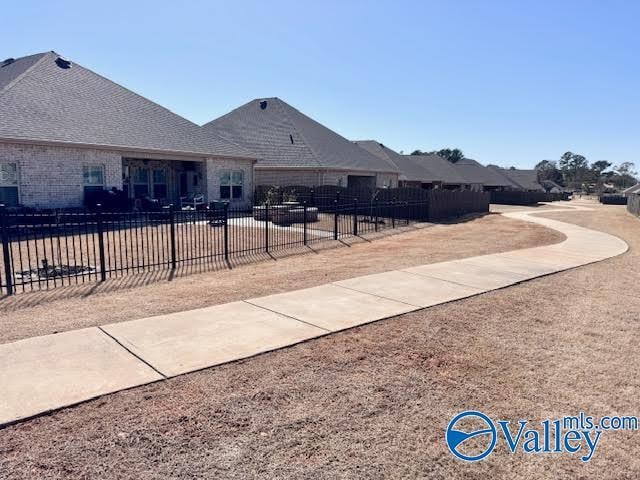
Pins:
x,y
7,61
62,63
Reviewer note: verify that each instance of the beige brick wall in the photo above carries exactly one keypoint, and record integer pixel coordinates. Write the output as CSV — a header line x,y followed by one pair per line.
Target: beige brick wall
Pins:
x,y
214,168
311,178
51,177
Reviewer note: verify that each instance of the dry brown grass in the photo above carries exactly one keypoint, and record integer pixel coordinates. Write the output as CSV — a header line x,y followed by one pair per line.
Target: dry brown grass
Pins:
x,y
373,402
139,296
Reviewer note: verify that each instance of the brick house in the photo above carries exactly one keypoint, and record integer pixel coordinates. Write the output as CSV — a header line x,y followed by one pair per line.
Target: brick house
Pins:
x,y
65,131
293,149
421,171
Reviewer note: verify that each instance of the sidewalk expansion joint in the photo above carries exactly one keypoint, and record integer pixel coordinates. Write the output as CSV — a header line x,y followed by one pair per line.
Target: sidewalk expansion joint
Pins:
x,y
288,316
138,357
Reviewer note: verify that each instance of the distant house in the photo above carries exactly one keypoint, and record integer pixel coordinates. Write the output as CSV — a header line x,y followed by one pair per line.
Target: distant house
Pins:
x,y
634,189
66,131
489,178
419,171
551,186
524,180
293,149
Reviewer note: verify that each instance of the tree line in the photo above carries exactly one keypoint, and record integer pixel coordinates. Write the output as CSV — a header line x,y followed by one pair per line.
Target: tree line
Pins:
x,y
571,171
574,172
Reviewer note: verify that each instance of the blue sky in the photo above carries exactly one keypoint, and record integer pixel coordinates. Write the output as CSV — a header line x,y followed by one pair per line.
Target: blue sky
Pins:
x,y
508,82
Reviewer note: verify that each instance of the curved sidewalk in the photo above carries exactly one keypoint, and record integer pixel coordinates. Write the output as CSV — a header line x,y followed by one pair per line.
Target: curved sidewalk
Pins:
x,y
46,373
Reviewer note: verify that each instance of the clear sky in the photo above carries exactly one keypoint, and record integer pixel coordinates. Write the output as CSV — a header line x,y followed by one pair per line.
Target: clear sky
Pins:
x,y
508,82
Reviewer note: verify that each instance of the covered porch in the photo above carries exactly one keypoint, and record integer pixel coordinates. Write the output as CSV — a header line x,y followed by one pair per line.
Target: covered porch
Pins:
x,y
147,181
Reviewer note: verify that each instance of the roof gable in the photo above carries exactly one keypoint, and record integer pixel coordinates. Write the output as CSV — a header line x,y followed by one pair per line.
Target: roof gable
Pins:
x,y
282,136
478,173
441,169
11,69
75,105
525,179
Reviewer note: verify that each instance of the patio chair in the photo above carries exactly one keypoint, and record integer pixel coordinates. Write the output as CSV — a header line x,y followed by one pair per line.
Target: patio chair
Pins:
x,y
192,201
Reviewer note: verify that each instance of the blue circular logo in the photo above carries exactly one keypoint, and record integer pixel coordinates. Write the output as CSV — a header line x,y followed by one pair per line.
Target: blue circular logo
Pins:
x,y
456,437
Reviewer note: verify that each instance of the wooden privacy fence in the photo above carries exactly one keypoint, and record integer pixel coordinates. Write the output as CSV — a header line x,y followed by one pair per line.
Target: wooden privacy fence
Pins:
x,y
443,204
613,199
325,195
633,204
508,197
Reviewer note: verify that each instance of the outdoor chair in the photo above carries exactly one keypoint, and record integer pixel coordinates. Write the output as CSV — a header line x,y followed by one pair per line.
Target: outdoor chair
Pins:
x,y
192,202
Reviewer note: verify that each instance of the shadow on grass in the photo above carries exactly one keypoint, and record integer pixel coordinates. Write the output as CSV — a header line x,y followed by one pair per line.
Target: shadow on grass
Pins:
x,y
133,279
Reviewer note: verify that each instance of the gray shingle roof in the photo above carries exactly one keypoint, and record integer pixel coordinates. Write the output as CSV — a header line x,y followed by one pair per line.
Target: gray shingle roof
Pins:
x,y
11,69
282,136
443,170
416,168
474,172
40,101
525,179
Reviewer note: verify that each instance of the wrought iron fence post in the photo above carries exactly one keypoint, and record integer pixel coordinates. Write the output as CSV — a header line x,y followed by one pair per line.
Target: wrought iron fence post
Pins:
x,y
6,251
335,219
266,227
376,205
226,231
103,263
172,231
355,217
304,224
393,214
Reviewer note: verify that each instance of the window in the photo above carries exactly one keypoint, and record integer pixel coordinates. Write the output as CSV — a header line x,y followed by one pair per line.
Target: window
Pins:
x,y
9,184
231,183
140,182
236,184
93,175
159,183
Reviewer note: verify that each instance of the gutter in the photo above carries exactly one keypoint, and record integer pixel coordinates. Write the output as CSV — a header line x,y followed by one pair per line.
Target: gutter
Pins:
x,y
123,148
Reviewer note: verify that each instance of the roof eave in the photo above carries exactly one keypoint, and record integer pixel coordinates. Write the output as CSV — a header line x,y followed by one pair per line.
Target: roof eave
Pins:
x,y
122,148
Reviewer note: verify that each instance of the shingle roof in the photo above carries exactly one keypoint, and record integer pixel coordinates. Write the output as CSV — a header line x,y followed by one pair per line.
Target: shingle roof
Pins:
x,y
443,170
633,189
525,179
40,101
282,136
416,168
474,172
11,69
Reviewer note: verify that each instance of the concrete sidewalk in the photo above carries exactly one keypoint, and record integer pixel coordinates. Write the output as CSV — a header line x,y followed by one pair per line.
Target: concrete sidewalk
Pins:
x,y
46,373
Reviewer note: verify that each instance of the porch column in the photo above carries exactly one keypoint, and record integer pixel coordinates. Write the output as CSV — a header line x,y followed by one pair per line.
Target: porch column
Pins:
x,y
211,181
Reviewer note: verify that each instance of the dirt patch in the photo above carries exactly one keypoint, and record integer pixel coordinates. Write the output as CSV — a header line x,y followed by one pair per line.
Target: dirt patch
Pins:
x,y
134,297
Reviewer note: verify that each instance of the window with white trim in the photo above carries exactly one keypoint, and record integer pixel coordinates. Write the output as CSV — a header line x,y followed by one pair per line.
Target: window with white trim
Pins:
x,y
93,175
9,183
231,184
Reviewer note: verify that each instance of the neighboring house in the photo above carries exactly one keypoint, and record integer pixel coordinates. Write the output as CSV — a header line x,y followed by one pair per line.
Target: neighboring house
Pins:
x,y
65,130
418,171
630,190
446,174
525,180
293,149
488,177
551,187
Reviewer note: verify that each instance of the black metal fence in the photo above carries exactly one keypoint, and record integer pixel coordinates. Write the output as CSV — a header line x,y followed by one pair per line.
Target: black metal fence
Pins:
x,y
48,250
508,197
43,250
633,204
